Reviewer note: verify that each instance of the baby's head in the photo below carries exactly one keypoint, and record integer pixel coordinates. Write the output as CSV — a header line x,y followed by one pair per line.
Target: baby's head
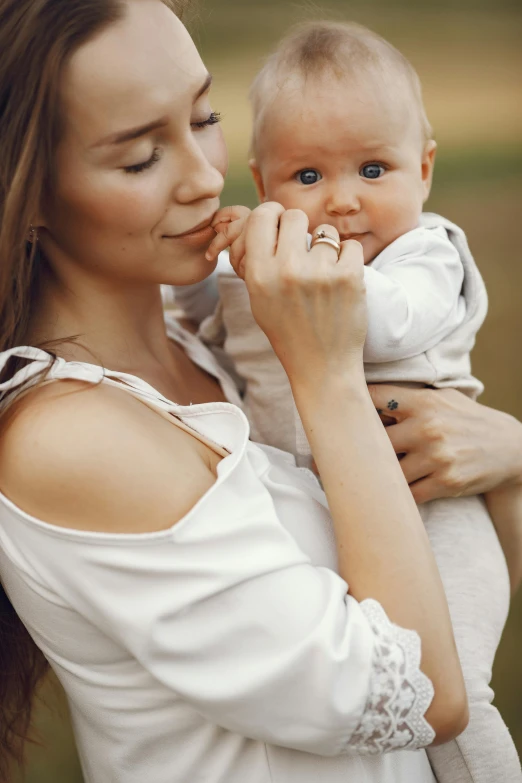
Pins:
x,y
340,132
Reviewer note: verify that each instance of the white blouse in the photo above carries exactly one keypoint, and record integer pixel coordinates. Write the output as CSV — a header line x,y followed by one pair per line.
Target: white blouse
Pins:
x,y
224,649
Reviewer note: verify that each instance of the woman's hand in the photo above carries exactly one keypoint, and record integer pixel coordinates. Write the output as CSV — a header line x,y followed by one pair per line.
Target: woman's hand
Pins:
x,y
310,303
452,445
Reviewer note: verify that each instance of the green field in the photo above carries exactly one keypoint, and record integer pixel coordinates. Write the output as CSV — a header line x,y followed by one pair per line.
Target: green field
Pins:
x,y
469,58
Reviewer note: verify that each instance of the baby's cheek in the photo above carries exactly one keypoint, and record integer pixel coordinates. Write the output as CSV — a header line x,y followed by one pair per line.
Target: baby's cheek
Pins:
x,y
280,193
372,246
394,217
309,203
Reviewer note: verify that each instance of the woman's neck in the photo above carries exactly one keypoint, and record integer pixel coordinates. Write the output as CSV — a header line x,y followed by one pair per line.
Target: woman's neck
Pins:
x,y
120,328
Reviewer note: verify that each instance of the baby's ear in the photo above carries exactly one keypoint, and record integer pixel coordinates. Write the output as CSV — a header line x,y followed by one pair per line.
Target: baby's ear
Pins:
x,y
258,179
427,164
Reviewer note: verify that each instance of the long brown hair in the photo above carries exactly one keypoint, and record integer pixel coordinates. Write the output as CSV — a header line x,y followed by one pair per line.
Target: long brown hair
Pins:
x,y
37,38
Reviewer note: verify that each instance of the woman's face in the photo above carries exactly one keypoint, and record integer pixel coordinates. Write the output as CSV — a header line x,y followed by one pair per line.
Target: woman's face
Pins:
x,y
141,161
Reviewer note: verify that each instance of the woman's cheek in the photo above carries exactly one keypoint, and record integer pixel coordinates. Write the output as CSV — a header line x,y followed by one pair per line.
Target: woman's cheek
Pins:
x,y
139,203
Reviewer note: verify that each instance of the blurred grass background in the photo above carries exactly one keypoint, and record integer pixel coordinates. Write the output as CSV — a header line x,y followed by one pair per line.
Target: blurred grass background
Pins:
x,y
469,58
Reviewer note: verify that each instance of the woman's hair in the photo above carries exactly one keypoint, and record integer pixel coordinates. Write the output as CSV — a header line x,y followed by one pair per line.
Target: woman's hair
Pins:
x,y
37,38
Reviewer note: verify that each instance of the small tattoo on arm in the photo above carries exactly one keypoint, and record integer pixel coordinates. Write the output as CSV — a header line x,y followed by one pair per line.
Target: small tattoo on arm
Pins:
x,y
393,405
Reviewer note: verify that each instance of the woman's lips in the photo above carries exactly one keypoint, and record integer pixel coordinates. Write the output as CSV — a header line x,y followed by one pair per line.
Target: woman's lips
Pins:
x,y
198,237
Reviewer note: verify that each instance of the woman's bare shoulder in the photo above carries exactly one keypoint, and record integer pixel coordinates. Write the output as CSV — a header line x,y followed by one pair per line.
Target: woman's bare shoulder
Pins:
x,y
96,458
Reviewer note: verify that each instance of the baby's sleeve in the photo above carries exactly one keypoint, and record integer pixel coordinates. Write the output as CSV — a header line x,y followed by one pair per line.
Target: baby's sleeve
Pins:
x,y
231,617
414,296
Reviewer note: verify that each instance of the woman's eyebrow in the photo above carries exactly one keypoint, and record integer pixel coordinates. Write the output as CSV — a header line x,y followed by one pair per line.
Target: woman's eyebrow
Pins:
x,y
134,133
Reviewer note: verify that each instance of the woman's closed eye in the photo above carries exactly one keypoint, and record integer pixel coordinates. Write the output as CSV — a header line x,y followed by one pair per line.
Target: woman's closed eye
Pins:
x,y
214,117
372,170
147,164
137,168
308,176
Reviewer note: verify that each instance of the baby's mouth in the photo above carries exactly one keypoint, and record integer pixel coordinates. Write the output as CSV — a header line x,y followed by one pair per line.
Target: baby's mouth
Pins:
x,y
357,237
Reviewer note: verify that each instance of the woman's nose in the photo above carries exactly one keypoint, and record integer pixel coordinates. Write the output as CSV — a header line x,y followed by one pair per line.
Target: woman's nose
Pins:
x,y
198,179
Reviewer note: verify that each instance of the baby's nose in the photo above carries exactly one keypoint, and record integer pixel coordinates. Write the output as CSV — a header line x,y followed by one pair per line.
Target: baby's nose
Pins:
x,y
343,201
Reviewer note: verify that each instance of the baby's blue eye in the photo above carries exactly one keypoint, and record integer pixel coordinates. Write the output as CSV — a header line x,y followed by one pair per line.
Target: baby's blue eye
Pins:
x,y
372,170
308,176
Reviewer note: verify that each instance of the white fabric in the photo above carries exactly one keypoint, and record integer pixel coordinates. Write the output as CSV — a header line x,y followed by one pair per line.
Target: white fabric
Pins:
x,y
413,292
224,649
426,301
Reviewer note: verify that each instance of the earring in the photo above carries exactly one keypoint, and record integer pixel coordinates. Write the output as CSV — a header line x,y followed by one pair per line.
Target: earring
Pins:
x,y
32,237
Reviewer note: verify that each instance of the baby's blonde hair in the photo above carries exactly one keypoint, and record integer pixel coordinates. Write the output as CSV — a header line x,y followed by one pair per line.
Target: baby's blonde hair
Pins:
x,y
313,49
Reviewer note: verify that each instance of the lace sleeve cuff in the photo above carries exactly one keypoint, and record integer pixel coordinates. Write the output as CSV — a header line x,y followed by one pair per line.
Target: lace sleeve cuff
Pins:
x,y
399,694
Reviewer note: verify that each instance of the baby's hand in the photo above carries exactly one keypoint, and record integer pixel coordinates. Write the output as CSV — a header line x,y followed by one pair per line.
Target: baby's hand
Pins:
x,y
229,224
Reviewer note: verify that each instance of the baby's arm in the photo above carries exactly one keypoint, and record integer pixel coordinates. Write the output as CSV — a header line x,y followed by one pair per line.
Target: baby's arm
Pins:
x,y
413,297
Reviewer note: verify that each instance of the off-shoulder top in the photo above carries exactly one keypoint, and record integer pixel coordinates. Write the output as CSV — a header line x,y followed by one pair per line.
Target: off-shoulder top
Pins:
x,y
225,649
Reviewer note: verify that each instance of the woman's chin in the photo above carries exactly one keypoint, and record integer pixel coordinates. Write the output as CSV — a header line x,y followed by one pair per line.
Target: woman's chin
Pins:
x,y
190,272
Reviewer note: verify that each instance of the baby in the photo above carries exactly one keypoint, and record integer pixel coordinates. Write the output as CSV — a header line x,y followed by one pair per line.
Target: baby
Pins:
x,y
341,133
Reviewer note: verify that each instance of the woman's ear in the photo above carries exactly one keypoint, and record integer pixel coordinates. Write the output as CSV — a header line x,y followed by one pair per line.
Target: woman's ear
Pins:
x,y
258,180
37,223
427,164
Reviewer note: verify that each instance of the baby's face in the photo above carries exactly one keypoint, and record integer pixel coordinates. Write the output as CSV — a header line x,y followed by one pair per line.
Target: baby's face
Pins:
x,y
350,156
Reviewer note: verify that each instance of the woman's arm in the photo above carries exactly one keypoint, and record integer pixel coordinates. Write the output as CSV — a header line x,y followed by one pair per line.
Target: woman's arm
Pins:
x,y
454,446
313,311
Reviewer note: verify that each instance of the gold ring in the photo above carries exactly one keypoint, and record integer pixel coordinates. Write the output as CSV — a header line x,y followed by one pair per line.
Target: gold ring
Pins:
x,y
322,238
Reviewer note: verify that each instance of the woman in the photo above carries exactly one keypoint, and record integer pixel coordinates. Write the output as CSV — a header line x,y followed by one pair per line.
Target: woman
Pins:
x,y
182,581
